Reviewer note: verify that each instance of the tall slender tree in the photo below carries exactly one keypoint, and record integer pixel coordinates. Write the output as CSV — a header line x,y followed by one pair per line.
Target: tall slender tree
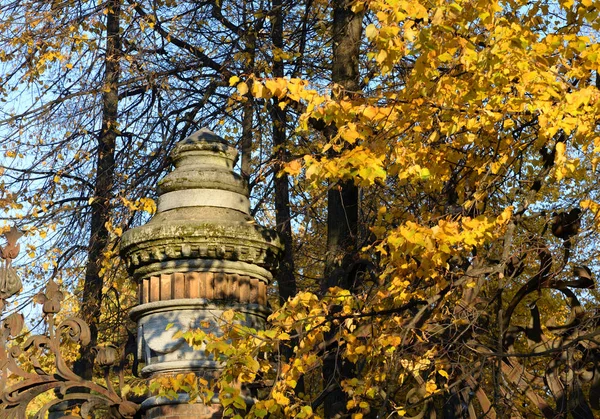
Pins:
x,y
104,182
342,196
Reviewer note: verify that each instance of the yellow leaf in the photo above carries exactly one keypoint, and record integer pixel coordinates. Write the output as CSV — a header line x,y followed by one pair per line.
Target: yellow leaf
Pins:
x,y
445,57
280,398
242,88
430,387
357,7
560,150
259,91
381,56
438,16
276,87
371,31
293,168
370,112
233,80
228,315
148,205
349,133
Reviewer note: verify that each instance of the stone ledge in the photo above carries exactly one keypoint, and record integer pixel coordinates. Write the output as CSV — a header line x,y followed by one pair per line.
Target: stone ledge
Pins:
x,y
180,408
196,304
209,178
229,251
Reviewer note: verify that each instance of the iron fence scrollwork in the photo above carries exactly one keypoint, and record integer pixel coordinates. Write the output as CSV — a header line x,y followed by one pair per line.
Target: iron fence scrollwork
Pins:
x,y
31,365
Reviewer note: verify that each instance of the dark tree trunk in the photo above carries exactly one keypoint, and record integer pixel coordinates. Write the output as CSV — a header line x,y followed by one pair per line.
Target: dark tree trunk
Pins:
x,y
342,204
247,125
342,201
285,276
248,108
104,180
347,31
286,280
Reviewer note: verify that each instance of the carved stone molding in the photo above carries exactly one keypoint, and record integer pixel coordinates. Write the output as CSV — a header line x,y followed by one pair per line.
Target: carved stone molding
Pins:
x,y
189,240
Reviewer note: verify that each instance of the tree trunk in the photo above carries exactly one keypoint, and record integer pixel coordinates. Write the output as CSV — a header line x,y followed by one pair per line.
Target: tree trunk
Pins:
x,y
285,275
342,201
342,198
286,280
104,180
248,108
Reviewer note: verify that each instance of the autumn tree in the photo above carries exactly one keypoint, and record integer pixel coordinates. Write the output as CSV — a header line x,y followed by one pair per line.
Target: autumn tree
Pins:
x,y
473,140
103,182
60,146
342,196
430,166
105,91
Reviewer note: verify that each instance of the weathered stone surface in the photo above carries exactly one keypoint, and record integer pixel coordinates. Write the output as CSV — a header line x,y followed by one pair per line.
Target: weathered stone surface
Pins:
x,y
159,321
180,408
165,240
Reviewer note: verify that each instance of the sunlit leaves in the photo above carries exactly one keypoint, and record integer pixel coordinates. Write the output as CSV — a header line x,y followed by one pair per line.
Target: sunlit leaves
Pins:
x,y
358,163
242,88
468,110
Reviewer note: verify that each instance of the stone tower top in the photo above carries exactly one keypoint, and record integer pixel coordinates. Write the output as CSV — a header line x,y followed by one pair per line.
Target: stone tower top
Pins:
x,y
203,216
204,177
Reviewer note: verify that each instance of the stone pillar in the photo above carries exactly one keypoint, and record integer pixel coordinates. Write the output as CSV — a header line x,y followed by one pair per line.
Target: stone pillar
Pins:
x,y
201,254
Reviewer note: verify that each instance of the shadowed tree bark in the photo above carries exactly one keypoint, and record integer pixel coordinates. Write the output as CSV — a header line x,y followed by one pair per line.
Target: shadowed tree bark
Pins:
x,y
285,276
103,191
286,280
342,199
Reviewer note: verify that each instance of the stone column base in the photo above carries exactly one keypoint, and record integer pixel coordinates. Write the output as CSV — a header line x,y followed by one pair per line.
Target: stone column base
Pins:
x,y
163,408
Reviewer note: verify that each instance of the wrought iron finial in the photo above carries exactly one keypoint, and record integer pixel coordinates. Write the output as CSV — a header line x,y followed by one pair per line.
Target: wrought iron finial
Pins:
x,y
10,283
